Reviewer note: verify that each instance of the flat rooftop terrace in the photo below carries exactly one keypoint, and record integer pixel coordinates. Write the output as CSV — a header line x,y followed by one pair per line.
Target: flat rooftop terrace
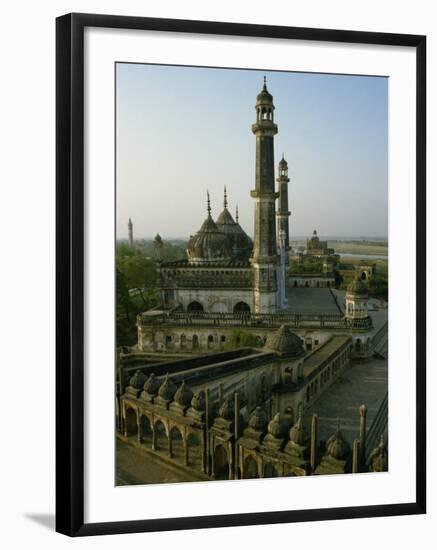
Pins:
x,y
311,301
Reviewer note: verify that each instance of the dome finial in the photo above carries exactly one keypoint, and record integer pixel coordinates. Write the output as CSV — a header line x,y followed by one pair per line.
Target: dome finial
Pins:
x,y
265,83
236,213
208,203
225,199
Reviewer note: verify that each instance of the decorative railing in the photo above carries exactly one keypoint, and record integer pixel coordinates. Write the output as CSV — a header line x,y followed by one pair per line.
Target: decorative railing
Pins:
x,y
255,320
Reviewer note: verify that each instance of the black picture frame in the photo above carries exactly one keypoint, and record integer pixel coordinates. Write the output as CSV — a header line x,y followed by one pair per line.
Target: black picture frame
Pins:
x,y
70,273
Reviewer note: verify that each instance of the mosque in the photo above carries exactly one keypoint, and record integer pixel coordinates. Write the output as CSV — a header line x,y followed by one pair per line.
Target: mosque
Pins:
x,y
229,281
219,412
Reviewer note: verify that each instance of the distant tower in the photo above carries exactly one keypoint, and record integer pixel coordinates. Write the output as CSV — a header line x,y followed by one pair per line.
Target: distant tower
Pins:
x,y
158,244
265,259
283,213
130,228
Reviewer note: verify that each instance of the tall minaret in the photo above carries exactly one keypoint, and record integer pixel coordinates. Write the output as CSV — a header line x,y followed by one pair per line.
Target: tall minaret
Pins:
x,y
265,257
283,213
130,228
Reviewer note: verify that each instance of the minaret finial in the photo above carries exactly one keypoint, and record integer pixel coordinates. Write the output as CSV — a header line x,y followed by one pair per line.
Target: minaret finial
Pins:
x,y
225,199
236,213
208,203
265,82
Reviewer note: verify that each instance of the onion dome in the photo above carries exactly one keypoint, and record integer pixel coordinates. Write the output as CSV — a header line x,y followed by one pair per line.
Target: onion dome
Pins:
x,y
258,420
283,163
168,389
137,380
183,395
378,459
285,342
226,410
241,243
209,243
337,446
264,96
357,288
298,434
158,239
277,427
152,385
198,401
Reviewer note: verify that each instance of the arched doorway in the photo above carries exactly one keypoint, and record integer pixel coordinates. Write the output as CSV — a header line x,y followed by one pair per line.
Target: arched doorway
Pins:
x,y
131,422
363,276
194,307
358,346
270,471
183,342
241,307
221,464
146,430
194,451
177,444
195,341
210,341
250,468
161,440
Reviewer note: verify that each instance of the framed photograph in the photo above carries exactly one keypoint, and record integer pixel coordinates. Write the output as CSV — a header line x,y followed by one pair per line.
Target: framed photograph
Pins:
x,y
240,274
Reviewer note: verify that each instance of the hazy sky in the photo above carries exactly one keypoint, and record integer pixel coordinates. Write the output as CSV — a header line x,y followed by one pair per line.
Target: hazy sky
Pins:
x,y
181,131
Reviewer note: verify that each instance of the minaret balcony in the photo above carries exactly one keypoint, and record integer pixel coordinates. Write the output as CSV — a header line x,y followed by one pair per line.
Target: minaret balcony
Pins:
x,y
269,195
265,127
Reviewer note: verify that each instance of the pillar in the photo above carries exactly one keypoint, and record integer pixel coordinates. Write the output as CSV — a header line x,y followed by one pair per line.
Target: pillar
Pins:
x,y
314,437
363,414
356,456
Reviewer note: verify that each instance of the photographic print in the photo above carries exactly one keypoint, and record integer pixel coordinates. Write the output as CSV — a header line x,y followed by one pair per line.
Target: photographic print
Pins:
x,y
251,262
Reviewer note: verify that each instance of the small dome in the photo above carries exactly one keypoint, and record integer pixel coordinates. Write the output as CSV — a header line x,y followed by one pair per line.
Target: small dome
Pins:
x,y
241,243
158,238
183,395
152,385
298,434
168,389
357,288
378,459
277,427
258,420
264,96
285,342
137,380
198,401
337,446
226,410
283,163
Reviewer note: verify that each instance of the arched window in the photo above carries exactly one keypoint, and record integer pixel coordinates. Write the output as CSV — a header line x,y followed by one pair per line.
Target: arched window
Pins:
x,y
161,437
250,468
358,346
363,276
194,451
131,422
177,444
183,341
221,463
194,307
241,307
270,471
195,341
210,341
